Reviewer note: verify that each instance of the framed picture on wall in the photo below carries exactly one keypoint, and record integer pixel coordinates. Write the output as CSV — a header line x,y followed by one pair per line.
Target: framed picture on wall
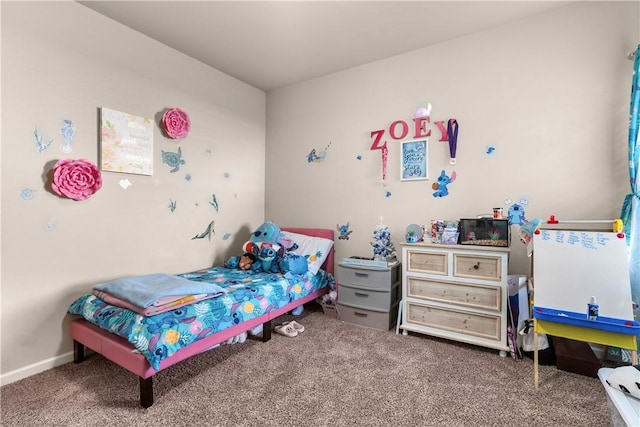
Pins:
x,y
126,143
414,156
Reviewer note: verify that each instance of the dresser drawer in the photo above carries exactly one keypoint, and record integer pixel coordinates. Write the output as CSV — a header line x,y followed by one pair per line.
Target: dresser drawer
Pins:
x,y
372,319
427,262
477,267
467,294
369,299
479,325
368,278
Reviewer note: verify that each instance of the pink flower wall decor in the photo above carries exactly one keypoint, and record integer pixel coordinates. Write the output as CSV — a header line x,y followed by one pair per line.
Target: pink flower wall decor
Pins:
x,y
76,179
176,123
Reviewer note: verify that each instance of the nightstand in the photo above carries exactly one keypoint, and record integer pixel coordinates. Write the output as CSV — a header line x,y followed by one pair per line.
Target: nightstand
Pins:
x,y
369,296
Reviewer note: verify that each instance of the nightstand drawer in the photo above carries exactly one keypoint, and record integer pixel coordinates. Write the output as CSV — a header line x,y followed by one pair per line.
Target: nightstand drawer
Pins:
x,y
479,325
427,262
373,319
477,267
479,296
368,278
365,298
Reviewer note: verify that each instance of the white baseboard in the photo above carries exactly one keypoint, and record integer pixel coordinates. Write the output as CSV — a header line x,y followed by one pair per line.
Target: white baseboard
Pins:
x,y
35,368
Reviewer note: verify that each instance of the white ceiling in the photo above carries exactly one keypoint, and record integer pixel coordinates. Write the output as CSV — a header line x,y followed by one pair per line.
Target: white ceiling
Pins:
x,y
272,44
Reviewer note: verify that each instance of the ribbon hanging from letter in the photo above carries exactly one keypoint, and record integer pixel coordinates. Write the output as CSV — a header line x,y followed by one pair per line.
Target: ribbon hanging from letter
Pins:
x,y
452,133
385,154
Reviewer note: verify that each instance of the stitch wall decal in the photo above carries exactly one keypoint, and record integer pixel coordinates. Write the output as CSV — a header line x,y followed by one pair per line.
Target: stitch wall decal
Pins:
x,y
441,186
226,236
39,140
359,157
516,215
187,177
315,156
173,159
206,233
172,205
490,149
27,193
67,131
387,194
343,231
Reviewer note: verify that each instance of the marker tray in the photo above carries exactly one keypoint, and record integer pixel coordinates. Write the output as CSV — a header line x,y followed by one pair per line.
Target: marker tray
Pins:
x,y
609,324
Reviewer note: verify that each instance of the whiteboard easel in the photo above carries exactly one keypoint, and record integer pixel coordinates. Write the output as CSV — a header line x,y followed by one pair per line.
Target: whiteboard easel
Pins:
x,y
570,266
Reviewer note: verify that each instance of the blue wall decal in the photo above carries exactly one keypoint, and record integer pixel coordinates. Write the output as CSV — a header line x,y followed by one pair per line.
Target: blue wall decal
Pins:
x,y
39,141
173,159
206,233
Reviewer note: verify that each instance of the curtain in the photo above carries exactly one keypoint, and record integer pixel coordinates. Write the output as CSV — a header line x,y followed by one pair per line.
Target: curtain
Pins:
x,y
630,214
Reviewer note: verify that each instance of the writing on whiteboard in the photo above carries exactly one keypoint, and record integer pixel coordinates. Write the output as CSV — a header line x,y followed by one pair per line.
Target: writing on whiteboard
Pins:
x,y
586,240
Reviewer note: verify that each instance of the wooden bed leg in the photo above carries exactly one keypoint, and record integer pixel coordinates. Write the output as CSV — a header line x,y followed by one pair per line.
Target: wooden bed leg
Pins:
x,y
78,352
146,392
266,331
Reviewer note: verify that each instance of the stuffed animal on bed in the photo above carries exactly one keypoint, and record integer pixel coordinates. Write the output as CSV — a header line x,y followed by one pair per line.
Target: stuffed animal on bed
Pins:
x,y
626,379
263,250
294,264
245,262
267,256
268,244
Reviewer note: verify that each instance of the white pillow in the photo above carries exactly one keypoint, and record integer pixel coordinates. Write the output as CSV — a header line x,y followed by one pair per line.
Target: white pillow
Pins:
x,y
316,249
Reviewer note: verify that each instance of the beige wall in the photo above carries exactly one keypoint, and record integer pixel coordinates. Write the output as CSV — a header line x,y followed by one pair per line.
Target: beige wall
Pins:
x,y
551,93
61,60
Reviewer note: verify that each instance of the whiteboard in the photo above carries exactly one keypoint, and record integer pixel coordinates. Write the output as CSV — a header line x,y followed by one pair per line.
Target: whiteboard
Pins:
x,y
570,266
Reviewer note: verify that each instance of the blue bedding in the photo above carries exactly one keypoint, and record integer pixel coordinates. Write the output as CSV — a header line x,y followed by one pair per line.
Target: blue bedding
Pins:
x,y
248,296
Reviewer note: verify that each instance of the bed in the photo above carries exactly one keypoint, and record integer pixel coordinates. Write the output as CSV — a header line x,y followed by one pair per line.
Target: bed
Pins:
x,y
145,345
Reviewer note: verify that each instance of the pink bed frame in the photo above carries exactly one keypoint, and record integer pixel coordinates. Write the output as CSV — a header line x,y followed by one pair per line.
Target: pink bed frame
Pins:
x,y
121,352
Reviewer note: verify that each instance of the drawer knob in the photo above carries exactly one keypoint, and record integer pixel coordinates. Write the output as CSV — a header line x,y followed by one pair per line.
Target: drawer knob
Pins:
x,y
361,294
362,274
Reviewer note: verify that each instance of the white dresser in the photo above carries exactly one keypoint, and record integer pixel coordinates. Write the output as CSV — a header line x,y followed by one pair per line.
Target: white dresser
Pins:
x,y
457,292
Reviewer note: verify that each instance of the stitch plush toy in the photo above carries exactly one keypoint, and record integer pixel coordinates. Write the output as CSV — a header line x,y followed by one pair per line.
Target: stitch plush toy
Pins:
x,y
268,244
294,264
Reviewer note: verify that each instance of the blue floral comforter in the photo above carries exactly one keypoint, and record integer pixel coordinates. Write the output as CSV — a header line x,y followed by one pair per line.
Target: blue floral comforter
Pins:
x,y
249,295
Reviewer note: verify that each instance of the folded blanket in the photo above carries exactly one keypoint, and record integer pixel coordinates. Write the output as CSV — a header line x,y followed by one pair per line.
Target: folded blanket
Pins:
x,y
142,291
156,307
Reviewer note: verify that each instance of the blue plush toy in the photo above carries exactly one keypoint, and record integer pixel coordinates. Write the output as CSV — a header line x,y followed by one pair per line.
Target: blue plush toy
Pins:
x,y
294,264
268,232
267,255
268,244
232,262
